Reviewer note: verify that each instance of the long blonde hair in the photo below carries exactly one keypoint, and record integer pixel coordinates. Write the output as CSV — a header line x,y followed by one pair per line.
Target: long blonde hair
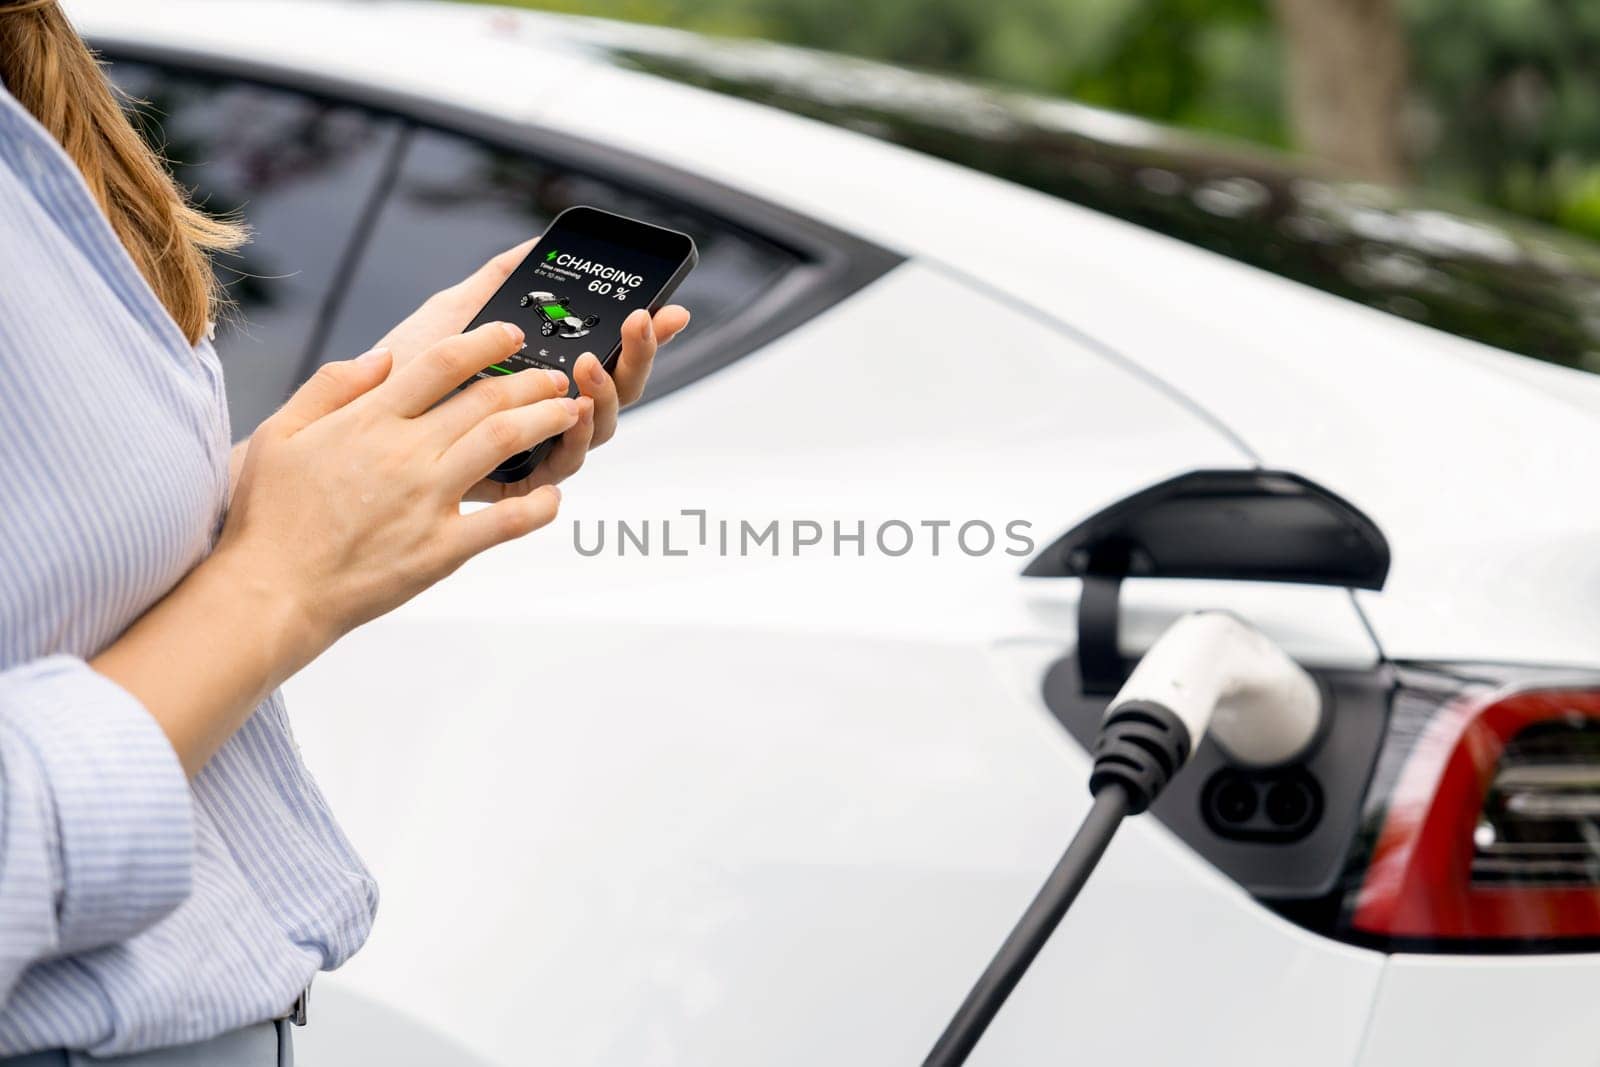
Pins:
x,y
52,73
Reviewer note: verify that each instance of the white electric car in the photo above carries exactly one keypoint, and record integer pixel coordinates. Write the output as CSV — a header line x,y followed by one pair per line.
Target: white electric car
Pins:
x,y
756,755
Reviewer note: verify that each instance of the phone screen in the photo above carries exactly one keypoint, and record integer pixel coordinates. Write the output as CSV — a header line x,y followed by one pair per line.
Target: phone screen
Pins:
x,y
570,295
573,291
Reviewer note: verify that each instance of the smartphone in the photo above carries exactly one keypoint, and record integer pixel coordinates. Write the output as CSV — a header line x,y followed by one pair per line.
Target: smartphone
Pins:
x,y
588,272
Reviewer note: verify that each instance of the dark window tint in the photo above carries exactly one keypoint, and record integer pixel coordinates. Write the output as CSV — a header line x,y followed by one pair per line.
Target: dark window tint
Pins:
x,y
1463,270
456,202
300,171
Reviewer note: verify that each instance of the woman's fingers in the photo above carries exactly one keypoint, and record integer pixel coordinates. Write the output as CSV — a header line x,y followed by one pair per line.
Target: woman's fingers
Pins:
x,y
598,386
669,322
633,365
502,435
637,357
642,336
331,388
567,457
448,311
420,384
456,416
511,518
475,289
632,371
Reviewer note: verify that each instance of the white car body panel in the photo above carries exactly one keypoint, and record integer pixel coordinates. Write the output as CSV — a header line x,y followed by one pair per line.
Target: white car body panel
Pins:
x,y
1484,1010
791,820
717,857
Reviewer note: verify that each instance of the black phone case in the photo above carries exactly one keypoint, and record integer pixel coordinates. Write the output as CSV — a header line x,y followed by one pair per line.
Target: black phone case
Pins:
x,y
523,464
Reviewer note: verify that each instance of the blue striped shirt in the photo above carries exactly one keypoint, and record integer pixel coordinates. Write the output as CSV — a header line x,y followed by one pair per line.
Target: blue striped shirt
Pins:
x,y
138,909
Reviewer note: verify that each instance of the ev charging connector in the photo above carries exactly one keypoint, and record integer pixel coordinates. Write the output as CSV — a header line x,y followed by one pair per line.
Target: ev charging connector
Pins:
x,y
1209,670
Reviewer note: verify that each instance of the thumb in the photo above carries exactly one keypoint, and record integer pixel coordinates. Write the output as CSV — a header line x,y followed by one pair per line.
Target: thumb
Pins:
x,y
476,288
332,387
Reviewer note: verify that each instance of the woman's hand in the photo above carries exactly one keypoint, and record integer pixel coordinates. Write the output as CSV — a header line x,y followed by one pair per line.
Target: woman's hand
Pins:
x,y
448,311
349,499
348,505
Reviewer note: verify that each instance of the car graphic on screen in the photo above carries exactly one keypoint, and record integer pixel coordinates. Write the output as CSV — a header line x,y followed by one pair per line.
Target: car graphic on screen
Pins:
x,y
555,313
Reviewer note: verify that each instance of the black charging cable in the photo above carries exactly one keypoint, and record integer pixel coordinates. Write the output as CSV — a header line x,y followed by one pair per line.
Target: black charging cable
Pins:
x,y
1203,661
1141,745
961,1036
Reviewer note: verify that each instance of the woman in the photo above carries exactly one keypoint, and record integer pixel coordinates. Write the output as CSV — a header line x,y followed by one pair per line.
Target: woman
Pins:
x,y
170,878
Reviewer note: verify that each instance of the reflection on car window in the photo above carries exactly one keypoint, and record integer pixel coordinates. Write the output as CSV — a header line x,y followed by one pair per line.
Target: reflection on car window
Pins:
x,y
456,202
299,171
1459,269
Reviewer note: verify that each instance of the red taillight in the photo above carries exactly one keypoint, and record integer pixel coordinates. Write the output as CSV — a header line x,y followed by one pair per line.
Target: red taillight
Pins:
x,y
1492,829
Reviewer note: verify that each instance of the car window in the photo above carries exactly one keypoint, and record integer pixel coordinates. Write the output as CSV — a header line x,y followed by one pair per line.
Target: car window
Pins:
x,y
1455,267
364,201
456,201
301,172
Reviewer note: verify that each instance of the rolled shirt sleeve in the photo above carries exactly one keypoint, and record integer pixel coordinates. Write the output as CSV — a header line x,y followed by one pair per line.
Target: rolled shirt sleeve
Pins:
x,y
96,817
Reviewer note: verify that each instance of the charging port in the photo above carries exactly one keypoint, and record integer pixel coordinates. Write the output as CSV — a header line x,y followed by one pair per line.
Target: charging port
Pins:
x,y
1277,805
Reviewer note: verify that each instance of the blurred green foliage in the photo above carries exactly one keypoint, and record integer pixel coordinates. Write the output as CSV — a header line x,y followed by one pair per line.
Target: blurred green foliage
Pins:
x,y
1506,92
1511,104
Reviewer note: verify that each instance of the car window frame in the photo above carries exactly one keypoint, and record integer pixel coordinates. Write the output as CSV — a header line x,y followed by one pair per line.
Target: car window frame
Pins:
x,y
372,195
831,264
